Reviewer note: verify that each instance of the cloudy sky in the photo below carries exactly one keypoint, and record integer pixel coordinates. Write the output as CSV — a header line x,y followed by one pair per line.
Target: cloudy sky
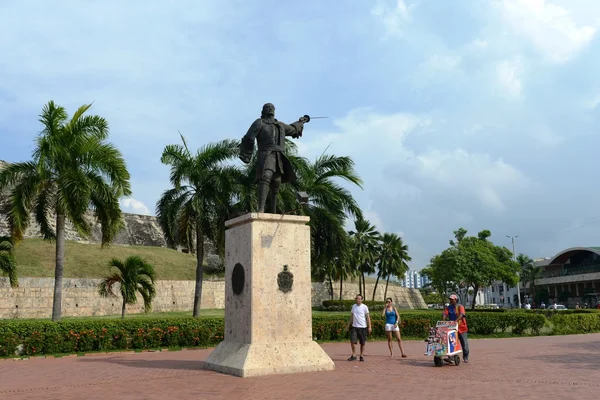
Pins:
x,y
475,113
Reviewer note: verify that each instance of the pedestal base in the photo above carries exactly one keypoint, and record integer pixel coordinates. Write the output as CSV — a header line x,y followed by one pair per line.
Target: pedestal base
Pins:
x,y
247,360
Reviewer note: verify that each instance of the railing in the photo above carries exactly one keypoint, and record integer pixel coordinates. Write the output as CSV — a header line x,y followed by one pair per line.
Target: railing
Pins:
x,y
579,270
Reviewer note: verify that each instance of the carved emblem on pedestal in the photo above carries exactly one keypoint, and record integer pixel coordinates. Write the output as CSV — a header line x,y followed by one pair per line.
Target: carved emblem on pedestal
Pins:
x,y
285,280
238,278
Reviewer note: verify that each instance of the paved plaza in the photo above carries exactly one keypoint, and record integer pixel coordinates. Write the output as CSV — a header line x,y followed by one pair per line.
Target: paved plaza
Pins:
x,y
558,367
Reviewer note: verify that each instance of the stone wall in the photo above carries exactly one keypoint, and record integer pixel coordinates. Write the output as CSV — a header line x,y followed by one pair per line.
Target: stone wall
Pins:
x,y
33,297
403,297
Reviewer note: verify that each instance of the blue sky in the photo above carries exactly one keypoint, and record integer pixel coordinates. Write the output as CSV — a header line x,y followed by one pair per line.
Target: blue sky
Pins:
x,y
475,113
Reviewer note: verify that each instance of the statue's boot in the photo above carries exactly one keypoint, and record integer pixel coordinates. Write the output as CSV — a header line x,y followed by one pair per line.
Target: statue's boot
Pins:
x,y
263,191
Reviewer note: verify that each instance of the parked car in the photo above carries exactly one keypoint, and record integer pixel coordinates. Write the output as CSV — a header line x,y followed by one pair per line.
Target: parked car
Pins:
x,y
558,307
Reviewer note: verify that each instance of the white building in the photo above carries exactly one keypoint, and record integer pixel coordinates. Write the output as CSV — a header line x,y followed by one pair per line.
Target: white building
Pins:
x,y
498,293
413,280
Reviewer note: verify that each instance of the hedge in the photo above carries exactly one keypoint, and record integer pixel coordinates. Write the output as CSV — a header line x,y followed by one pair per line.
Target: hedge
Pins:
x,y
564,324
80,336
346,305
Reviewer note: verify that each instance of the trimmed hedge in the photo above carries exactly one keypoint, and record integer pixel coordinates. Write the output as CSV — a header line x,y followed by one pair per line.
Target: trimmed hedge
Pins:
x,y
565,324
346,305
80,336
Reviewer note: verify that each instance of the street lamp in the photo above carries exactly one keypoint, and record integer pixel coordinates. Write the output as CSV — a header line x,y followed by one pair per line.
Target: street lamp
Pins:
x,y
515,257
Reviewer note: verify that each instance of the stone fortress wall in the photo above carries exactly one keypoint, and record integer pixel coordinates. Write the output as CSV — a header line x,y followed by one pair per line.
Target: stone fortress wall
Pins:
x,y
33,297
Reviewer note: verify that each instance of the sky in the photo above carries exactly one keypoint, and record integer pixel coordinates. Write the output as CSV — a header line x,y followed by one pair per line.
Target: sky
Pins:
x,y
482,114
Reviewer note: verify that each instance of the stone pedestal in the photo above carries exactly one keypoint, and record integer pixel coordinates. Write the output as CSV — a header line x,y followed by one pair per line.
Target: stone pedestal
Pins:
x,y
268,313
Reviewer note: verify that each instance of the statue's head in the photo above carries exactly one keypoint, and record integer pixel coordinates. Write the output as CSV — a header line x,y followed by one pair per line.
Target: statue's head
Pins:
x,y
268,110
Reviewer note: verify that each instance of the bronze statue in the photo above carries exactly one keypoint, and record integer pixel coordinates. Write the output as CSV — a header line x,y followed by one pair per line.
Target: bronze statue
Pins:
x,y
273,166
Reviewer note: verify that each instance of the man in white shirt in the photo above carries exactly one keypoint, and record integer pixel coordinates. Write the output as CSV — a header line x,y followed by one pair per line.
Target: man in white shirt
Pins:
x,y
359,325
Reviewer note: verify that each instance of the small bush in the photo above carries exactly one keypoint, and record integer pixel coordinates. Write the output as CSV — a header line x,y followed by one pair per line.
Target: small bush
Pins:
x,y
214,264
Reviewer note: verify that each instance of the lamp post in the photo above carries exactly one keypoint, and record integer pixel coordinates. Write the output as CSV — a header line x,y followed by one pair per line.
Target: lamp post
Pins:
x,y
512,238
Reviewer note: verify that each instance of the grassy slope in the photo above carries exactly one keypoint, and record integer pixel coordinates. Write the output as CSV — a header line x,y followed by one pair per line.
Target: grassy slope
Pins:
x,y
36,258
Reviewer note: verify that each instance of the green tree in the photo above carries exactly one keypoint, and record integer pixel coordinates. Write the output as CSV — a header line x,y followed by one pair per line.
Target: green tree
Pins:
x,y
365,245
472,262
529,273
73,169
8,265
134,275
195,209
393,257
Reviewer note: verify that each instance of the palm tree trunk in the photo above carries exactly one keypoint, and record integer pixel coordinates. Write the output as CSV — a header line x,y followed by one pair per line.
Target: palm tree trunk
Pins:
x,y
58,271
375,288
199,271
364,287
341,284
360,284
387,282
330,286
123,308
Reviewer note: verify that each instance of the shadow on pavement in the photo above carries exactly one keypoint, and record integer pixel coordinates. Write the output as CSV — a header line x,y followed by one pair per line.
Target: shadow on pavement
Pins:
x,y
158,364
587,361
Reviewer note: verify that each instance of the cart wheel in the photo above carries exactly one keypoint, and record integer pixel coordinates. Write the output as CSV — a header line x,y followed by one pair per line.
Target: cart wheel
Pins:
x,y
456,360
438,361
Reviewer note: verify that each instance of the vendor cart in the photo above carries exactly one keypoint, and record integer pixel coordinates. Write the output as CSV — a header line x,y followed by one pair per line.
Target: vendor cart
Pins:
x,y
443,342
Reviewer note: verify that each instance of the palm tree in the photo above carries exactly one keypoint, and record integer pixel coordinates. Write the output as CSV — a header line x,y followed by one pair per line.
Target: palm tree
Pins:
x,y
8,265
133,275
73,169
365,241
529,273
196,208
393,259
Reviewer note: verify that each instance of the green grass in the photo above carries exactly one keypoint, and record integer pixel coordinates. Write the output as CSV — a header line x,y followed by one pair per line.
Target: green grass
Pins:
x,y
36,258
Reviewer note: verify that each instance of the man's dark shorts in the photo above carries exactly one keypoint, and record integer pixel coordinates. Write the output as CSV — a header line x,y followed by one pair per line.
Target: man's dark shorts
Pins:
x,y
358,335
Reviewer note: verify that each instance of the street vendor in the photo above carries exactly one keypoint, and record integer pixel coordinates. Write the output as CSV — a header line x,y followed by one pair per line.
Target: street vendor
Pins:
x,y
456,312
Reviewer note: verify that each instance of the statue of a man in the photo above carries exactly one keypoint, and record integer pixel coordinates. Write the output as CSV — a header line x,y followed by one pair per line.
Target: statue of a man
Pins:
x,y
273,167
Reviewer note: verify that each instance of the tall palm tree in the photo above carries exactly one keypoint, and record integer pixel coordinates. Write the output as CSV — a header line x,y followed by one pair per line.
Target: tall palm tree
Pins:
x,y
365,241
195,209
392,259
529,273
73,169
399,266
134,275
8,265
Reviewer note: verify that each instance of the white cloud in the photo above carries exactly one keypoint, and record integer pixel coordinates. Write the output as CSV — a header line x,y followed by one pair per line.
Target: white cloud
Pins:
x,y
509,77
393,19
466,175
135,206
550,28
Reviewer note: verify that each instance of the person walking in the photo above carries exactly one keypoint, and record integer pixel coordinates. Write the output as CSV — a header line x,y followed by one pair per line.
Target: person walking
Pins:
x,y
359,326
392,319
456,312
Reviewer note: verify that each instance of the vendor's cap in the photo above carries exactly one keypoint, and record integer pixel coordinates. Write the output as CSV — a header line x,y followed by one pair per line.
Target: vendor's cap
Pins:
x,y
453,297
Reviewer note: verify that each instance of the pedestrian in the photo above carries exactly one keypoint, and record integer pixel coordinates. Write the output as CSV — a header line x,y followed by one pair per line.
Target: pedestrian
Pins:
x,y
456,312
359,326
392,319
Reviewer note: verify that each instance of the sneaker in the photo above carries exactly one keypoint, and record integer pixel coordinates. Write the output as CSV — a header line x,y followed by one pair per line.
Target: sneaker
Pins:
x,y
466,360
352,358
361,358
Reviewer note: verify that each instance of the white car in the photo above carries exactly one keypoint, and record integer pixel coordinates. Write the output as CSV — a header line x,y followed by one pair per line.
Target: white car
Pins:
x,y
558,307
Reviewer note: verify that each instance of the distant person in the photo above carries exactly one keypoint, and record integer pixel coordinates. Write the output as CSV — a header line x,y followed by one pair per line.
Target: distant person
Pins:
x,y
456,312
360,327
577,306
392,319
528,306
543,305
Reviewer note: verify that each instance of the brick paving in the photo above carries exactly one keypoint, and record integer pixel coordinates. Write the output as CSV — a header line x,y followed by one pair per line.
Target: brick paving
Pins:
x,y
558,367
